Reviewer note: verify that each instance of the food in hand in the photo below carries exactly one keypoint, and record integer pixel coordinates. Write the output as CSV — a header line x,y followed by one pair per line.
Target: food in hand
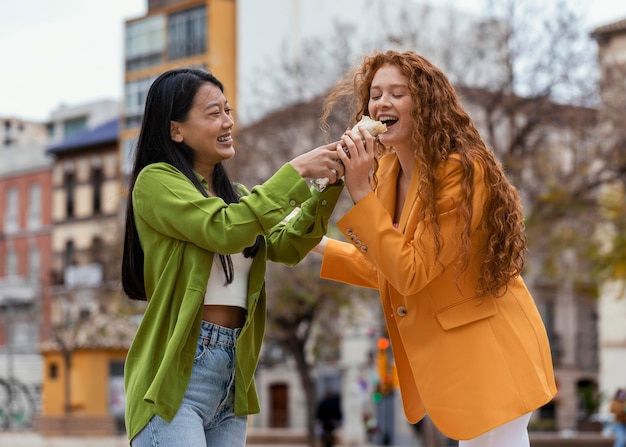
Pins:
x,y
374,127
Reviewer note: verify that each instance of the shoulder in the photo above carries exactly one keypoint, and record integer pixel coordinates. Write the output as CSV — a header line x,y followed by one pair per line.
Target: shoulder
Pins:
x,y
456,168
160,174
158,169
158,182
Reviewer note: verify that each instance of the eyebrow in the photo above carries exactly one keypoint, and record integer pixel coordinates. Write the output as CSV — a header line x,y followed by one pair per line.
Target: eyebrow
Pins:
x,y
392,86
216,104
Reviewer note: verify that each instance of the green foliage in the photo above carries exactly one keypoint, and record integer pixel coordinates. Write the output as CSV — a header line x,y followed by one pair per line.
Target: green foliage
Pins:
x,y
590,399
542,425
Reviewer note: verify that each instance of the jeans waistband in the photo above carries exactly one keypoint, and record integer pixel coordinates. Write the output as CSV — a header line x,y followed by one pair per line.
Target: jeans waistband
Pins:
x,y
211,333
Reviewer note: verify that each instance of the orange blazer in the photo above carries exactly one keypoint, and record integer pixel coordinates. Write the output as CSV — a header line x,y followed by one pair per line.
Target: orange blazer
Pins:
x,y
472,363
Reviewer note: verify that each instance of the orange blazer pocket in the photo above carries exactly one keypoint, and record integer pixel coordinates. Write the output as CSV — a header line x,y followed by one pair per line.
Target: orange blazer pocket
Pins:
x,y
465,312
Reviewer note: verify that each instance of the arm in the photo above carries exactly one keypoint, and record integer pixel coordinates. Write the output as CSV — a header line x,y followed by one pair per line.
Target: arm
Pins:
x,y
343,262
292,239
172,205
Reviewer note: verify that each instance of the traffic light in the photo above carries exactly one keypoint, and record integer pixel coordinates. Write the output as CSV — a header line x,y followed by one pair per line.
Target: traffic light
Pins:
x,y
386,370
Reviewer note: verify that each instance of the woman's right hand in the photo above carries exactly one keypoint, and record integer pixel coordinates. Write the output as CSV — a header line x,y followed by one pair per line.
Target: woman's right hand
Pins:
x,y
321,162
357,153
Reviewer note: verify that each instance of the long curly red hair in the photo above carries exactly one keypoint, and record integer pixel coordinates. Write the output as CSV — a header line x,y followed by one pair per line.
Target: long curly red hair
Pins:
x,y
443,127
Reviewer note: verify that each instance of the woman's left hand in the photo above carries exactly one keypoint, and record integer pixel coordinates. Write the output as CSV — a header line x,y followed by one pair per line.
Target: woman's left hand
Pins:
x,y
357,152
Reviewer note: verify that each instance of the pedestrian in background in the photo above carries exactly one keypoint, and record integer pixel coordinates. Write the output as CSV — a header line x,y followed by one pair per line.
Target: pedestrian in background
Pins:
x,y
329,416
196,246
618,408
439,231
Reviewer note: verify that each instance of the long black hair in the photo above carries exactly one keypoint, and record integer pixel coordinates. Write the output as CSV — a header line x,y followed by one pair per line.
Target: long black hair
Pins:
x,y
169,99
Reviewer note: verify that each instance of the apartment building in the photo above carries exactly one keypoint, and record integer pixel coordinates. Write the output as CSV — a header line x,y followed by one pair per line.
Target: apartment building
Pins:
x,y
25,238
83,360
175,33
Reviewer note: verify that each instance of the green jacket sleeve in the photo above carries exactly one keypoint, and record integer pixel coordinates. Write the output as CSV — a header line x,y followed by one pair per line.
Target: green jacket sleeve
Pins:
x,y
172,205
292,239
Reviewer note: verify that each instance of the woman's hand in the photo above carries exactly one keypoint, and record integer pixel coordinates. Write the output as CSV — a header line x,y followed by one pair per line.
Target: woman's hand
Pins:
x,y
357,153
321,162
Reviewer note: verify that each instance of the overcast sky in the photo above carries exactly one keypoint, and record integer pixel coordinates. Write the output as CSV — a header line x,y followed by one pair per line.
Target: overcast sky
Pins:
x,y
71,51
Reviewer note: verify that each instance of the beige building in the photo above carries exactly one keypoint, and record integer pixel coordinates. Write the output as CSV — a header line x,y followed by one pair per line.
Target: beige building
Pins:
x,y
611,39
82,387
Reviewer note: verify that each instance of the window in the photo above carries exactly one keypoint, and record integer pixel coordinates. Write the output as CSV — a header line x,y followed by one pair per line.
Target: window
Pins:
x,y
135,100
34,260
11,218
7,133
74,126
11,262
128,153
70,188
34,206
97,180
24,332
97,250
53,371
145,42
187,33
69,253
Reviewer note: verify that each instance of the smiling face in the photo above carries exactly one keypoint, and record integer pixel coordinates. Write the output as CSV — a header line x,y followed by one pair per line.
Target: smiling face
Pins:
x,y
390,102
207,129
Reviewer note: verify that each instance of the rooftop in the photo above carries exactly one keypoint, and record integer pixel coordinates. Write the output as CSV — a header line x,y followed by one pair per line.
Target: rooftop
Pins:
x,y
104,134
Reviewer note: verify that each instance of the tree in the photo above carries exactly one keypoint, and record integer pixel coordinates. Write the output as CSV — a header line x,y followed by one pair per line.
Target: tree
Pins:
x,y
542,120
306,319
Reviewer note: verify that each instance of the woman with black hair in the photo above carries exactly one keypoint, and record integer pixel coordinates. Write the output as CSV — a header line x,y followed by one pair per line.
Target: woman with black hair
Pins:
x,y
195,248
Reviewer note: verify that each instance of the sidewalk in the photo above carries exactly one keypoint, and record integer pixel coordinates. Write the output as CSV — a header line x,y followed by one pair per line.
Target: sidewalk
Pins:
x,y
26,439
22,439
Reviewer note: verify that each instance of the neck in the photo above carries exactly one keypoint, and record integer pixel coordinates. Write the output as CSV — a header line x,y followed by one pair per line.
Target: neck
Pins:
x,y
407,164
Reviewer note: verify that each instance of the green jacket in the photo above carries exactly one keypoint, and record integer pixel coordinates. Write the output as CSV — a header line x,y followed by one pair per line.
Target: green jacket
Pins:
x,y
180,230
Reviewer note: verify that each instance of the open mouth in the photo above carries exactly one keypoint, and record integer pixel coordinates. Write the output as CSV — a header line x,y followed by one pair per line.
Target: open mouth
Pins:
x,y
388,121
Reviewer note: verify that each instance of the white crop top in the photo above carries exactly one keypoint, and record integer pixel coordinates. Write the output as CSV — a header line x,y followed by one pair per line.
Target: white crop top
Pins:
x,y
235,293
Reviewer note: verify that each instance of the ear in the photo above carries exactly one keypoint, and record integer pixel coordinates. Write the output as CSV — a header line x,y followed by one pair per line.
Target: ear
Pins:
x,y
175,133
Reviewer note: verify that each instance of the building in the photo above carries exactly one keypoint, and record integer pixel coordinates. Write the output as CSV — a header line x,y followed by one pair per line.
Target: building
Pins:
x,y
611,40
67,121
175,33
25,240
82,388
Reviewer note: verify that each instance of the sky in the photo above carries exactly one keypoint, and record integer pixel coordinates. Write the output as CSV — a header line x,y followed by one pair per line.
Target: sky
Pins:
x,y
68,52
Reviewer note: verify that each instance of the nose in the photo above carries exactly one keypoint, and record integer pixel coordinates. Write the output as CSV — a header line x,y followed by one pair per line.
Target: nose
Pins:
x,y
385,99
229,121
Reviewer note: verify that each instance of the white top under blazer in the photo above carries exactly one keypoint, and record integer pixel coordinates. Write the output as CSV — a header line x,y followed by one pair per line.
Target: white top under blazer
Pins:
x,y
235,293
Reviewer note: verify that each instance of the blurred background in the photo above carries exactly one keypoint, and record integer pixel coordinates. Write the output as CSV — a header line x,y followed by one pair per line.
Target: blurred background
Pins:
x,y
544,82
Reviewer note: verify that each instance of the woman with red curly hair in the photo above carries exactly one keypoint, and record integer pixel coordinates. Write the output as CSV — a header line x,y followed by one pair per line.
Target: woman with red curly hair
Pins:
x,y
437,228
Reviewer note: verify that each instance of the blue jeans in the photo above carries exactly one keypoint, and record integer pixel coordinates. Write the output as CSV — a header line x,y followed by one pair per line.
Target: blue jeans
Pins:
x,y
620,434
206,417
